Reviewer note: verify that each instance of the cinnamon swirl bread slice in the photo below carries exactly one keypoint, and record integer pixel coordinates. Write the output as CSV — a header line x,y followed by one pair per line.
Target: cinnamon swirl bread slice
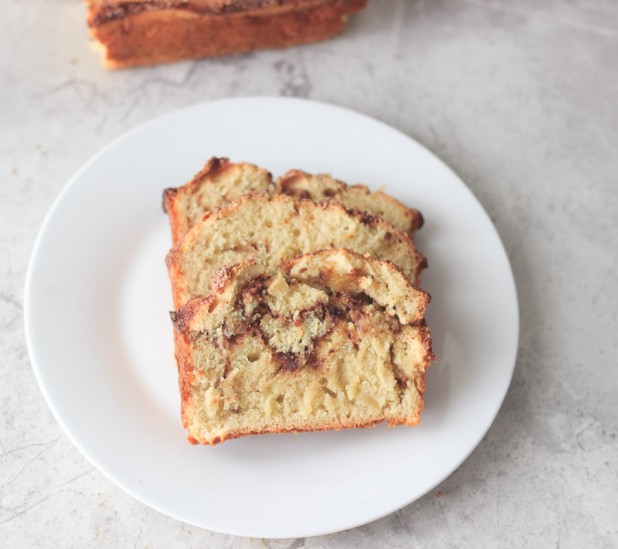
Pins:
x,y
276,229
219,182
332,340
322,187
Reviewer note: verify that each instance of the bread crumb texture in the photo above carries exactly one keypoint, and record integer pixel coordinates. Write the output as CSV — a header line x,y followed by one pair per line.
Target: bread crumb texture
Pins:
x,y
320,344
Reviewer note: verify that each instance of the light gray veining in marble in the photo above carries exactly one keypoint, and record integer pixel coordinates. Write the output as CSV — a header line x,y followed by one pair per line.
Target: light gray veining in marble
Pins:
x,y
519,97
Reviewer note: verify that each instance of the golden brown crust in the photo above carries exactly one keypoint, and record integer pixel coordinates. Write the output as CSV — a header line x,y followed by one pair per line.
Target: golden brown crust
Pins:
x,y
143,33
307,428
104,11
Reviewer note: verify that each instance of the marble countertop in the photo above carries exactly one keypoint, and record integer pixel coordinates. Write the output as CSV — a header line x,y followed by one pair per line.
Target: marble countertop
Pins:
x,y
519,98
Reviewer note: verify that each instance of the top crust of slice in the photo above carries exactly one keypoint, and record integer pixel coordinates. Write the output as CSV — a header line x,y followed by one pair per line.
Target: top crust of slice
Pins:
x,y
277,229
322,187
104,11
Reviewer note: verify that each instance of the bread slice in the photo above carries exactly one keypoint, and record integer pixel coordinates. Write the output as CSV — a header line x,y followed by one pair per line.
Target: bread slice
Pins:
x,y
276,229
130,33
333,340
219,182
358,197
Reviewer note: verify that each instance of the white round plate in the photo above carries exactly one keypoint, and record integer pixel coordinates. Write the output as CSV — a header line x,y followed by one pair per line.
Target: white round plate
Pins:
x,y
100,336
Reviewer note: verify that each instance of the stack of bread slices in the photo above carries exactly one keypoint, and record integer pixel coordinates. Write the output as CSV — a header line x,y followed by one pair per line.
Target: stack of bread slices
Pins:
x,y
296,302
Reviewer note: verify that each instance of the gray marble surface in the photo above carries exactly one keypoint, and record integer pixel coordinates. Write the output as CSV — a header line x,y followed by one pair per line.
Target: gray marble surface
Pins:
x,y
519,97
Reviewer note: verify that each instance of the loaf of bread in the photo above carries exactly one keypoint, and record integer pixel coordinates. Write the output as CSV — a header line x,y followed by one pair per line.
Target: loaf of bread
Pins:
x,y
330,340
129,33
274,230
222,181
